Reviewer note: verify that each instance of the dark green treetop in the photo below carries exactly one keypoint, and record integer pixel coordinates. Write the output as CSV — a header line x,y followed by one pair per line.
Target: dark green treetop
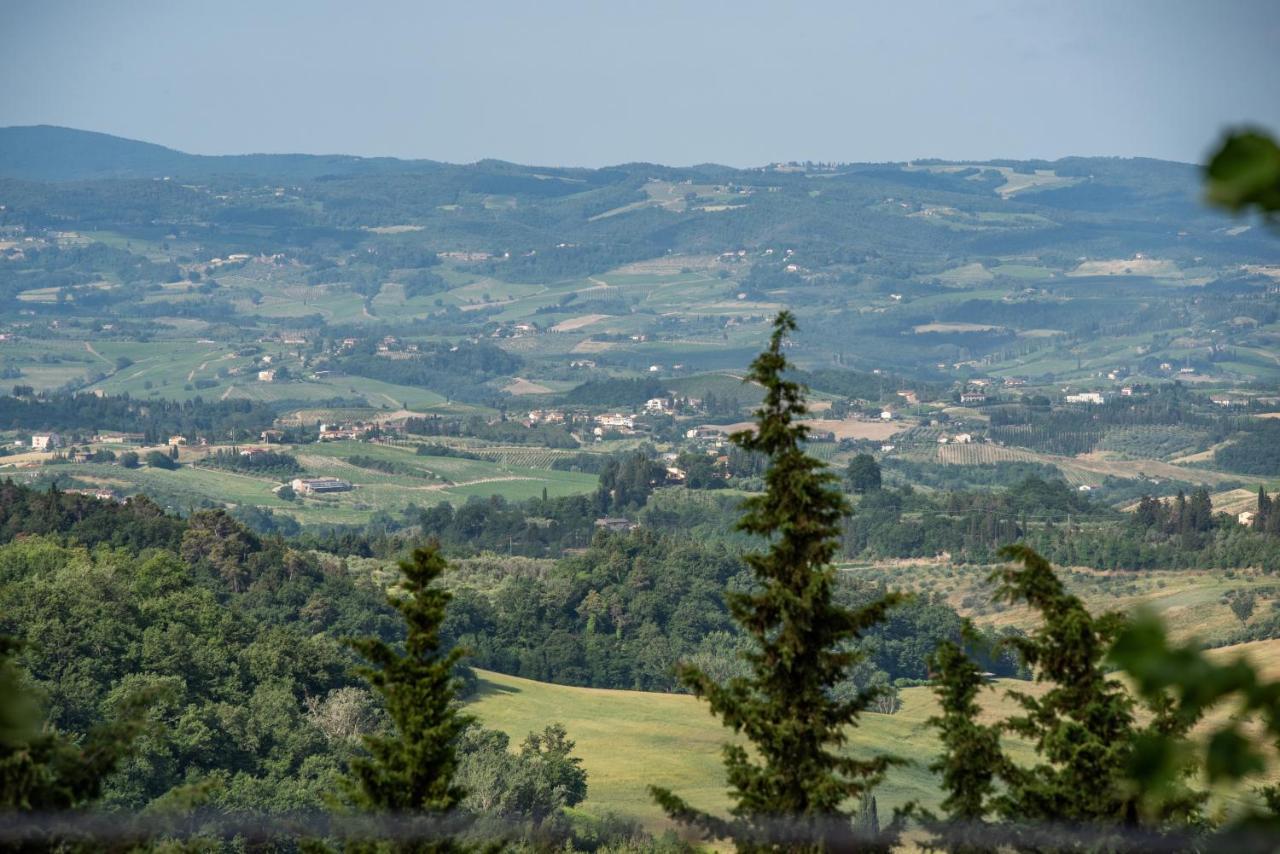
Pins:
x,y
410,773
863,474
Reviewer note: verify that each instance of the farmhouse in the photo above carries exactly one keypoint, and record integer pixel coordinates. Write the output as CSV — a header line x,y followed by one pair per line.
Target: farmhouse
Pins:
x,y
100,494
119,438
616,421
615,524
317,485
45,441
333,433
267,376
546,416
1092,397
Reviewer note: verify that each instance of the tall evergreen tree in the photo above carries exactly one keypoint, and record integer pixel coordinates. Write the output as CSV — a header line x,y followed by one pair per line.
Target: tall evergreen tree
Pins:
x,y
1093,751
410,773
794,789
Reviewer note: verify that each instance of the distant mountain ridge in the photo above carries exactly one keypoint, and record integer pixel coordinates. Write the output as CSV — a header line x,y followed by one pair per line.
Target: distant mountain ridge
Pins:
x,y
57,154
52,153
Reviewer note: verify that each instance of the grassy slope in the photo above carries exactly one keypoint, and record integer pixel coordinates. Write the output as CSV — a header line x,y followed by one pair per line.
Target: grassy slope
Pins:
x,y
629,739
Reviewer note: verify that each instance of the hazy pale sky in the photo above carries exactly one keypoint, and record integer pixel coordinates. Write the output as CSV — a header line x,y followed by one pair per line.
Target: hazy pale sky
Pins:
x,y
558,82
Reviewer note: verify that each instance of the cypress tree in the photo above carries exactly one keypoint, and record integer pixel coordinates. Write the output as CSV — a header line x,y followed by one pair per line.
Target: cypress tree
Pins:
x,y
794,789
410,774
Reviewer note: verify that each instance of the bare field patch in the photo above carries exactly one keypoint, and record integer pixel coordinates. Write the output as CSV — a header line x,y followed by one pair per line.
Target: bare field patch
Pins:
x,y
969,274
848,428
926,328
1155,267
392,229
842,429
520,385
579,322
669,266
589,346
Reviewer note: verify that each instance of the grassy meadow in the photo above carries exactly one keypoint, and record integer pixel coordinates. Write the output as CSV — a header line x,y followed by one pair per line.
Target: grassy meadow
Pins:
x,y
629,740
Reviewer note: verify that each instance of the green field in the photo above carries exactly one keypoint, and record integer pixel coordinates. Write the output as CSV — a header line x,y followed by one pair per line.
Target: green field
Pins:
x,y
629,740
422,481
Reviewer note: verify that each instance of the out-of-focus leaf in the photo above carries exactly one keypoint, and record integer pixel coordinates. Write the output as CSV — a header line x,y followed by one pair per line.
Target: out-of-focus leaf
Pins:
x,y
1231,756
1245,173
1156,761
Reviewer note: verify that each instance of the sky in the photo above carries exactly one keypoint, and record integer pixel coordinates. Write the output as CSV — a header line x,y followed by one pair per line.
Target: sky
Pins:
x,y
558,82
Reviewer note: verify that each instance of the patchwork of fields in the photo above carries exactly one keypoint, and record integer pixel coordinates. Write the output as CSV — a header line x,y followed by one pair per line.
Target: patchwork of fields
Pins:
x,y
513,473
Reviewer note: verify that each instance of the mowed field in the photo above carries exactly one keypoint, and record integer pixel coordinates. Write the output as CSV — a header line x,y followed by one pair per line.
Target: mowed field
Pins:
x,y
629,740
1091,469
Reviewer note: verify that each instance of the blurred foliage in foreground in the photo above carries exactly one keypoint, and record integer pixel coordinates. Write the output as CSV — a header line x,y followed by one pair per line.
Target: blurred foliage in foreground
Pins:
x,y
1244,174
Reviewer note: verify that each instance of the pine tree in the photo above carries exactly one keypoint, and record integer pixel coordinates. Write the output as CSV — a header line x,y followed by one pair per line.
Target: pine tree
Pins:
x,y
410,774
1093,752
794,789
971,754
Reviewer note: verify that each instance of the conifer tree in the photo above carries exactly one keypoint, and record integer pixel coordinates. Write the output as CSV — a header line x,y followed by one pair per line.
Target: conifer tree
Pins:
x,y
793,788
1092,748
410,774
972,757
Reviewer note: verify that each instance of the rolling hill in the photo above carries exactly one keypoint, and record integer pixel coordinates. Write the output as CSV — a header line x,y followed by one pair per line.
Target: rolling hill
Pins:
x,y
629,740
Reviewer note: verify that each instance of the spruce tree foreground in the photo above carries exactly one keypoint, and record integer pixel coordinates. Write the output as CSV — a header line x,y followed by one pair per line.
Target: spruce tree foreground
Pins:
x,y
410,773
795,789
